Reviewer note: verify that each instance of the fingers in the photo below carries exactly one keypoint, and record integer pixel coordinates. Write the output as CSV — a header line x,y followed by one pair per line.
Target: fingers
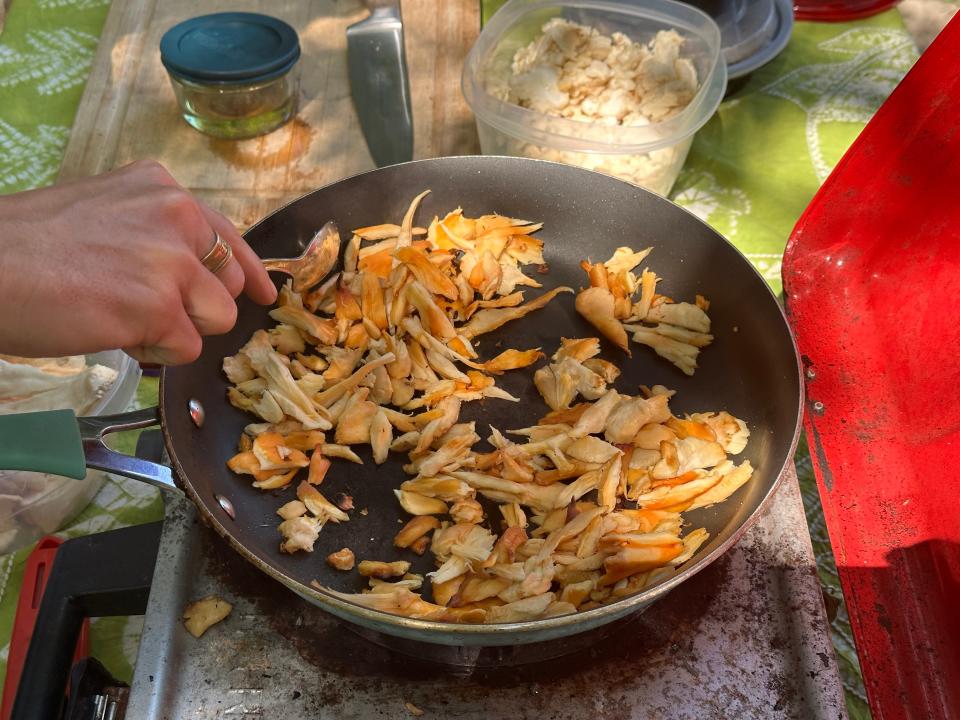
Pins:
x,y
245,272
202,302
256,282
231,274
208,302
179,344
207,309
204,307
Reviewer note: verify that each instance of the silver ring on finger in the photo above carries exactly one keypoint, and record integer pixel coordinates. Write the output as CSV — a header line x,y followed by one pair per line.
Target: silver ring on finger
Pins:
x,y
218,256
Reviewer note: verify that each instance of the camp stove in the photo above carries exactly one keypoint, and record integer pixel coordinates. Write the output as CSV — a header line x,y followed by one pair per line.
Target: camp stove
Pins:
x,y
745,638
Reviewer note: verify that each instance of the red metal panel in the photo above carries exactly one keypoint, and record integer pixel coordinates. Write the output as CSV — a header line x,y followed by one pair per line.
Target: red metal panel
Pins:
x,y
872,276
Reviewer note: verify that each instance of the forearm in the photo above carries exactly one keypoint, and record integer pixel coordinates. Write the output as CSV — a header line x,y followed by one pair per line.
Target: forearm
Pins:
x,y
20,277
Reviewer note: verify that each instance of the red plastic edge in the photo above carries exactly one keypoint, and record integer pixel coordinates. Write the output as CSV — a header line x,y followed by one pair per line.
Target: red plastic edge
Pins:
x,y
872,277
839,11
35,575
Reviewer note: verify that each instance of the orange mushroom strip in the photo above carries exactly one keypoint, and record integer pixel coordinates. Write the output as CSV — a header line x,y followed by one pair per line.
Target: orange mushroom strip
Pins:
x,y
492,318
596,304
512,360
417,527
426,272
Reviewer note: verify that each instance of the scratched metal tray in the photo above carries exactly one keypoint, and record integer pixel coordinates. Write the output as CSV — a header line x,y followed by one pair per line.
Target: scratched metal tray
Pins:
x,y
746,638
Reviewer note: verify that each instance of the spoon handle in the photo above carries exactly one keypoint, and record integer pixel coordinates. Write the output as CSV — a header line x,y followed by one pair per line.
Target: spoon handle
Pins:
x,y
278,265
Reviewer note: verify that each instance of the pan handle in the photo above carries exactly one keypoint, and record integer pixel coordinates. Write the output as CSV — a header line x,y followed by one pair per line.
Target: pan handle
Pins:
x,y
60,443
100,457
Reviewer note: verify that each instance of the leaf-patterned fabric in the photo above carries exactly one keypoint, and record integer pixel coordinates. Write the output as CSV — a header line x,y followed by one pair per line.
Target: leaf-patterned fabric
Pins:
x,y
754,167
30,160
52,62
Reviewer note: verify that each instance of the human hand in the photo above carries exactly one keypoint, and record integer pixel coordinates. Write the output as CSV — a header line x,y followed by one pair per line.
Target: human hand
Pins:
x,y
114,261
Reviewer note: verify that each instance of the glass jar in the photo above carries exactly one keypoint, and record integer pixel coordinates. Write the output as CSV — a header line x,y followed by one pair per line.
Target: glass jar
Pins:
x,y
238,111
235,75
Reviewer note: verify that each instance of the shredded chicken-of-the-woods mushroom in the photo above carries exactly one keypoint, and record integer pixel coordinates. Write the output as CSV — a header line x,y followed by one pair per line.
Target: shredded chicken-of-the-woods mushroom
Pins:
x,y
590,498
200,616
675,330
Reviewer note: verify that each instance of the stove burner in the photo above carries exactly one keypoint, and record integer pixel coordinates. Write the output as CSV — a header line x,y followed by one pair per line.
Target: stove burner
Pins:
x,y
744,638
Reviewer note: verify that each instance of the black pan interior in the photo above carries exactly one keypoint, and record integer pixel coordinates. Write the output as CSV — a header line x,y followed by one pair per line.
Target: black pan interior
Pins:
x,y
749,370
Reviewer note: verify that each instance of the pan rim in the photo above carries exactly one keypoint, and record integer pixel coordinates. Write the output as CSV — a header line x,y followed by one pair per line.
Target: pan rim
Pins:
x,y
520,632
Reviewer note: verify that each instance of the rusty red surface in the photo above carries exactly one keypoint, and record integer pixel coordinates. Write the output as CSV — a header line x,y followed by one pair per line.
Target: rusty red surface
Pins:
x,y
872,276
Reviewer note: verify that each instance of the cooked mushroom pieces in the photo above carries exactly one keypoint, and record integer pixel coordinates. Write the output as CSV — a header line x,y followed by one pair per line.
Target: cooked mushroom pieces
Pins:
x,y
387,336
387,353
569,375
569,553
200,616
676,331
342,559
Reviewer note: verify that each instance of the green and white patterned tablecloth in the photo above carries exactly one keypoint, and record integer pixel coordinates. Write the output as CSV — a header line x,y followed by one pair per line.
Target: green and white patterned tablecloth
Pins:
x,y
752,170
754,167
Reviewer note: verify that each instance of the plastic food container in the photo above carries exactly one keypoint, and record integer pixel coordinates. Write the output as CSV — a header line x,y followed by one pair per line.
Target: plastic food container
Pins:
x,y
35,504
235,75
651,155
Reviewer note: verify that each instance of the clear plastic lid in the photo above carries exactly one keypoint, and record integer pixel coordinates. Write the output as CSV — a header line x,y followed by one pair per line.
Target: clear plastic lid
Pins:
x,y
752,32
746,26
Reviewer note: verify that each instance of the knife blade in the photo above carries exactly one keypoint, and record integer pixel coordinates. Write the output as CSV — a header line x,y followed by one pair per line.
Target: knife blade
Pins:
x,y
377,68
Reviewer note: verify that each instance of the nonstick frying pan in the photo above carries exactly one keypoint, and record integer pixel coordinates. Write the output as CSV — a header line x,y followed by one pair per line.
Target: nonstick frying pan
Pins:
x,y
750,370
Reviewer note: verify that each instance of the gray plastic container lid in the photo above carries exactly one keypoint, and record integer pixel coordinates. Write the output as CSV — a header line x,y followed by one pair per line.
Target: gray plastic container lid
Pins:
x,y
752,32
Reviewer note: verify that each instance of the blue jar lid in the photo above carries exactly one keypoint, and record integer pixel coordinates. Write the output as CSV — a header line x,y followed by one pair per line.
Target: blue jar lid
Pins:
x,y
230,47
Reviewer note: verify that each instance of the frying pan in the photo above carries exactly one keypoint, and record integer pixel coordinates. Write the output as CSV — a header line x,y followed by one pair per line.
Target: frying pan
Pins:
x,y
751,370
